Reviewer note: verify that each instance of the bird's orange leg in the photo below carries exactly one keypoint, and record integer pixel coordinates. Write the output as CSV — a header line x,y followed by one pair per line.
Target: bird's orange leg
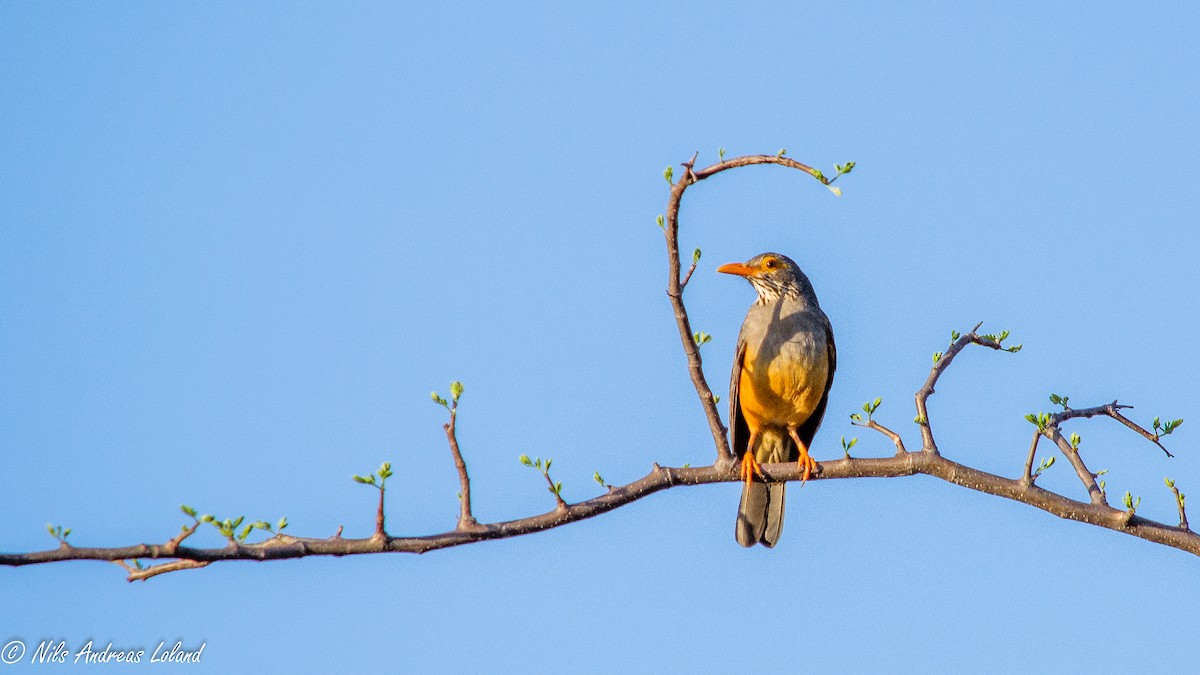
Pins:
x,y
750,465
807,464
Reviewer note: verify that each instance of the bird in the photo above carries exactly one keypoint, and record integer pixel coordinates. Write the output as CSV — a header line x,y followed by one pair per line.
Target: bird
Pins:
x,y
782,372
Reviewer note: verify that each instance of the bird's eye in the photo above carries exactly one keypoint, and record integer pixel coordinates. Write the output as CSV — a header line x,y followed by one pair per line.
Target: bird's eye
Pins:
x,y
771,263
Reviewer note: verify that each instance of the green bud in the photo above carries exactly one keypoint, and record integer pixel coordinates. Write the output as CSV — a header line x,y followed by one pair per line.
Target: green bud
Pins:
x,y
548,464
524,459
1170,483
937,356
695,256
598,478
669,174
661,222
206,518
281,524
456,389
721,153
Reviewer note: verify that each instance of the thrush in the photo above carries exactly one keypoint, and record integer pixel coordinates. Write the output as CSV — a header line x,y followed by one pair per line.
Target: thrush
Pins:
x,y
782,371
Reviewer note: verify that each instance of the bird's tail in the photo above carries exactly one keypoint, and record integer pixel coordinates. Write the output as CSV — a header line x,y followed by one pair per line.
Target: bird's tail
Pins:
x,y
760,513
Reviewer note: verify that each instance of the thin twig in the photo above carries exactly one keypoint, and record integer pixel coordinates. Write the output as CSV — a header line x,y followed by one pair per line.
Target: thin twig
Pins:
x,y
559,503
895,437
380,531
1112,410
935,372
688,277
1183,521
155,570
1072,454
466,519
1027,478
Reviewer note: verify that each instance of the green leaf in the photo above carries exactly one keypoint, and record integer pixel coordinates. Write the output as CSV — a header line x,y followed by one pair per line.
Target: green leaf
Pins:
x,y
359,479
189,511
598,478
669,174
1015,349
721,153
937,356
558,488
548,464
1170,483
281,524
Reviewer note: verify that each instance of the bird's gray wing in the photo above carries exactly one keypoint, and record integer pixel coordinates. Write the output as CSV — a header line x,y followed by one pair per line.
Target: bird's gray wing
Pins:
x,y
739,432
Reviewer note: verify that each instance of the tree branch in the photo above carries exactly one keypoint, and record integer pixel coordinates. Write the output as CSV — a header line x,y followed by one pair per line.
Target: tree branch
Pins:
x,y
660,478
928,461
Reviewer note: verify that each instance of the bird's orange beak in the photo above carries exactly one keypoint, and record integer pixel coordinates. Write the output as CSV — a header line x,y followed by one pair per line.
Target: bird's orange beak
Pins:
x,y
737,268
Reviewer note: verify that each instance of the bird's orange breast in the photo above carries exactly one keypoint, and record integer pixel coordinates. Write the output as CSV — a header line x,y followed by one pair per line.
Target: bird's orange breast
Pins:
x,y
783,387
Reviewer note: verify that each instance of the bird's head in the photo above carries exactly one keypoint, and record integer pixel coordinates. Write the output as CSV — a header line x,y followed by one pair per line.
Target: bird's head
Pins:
x,y
773,275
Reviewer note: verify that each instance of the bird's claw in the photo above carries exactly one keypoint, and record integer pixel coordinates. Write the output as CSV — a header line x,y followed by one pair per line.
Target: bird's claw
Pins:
x,y
751,468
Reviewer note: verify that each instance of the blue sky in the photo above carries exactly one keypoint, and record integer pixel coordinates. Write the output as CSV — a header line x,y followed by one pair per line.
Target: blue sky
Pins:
x,y
241,244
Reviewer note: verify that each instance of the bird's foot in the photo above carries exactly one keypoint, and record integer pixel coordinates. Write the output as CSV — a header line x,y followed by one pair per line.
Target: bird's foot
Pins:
x,y
807,464
751,468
